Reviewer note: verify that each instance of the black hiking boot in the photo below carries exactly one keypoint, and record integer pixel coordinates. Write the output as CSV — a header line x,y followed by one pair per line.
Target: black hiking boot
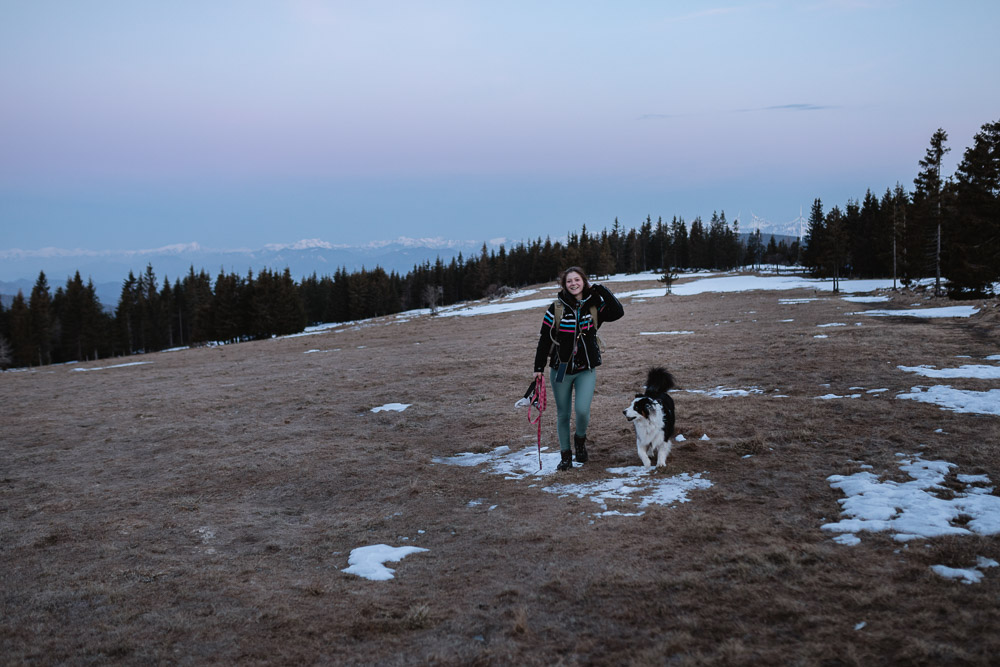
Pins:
x,y
581,448
567,460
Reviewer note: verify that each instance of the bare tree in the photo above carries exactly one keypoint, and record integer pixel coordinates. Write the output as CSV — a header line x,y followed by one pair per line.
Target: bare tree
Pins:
x,y
432,296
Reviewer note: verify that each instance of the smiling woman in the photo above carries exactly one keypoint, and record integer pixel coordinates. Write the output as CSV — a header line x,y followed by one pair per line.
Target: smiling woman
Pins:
x,y
568,338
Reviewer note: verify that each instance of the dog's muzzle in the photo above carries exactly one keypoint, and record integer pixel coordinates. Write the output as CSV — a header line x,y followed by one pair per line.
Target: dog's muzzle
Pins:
x,y
625,412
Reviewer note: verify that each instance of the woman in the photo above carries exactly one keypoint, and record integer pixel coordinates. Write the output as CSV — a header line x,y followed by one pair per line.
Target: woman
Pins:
x,y
569,339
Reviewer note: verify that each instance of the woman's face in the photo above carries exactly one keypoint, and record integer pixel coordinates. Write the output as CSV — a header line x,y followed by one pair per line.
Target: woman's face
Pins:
x,y
574,283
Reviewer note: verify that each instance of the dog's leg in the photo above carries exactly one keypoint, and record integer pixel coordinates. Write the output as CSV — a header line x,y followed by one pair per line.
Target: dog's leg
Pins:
x,y
642,453
662,452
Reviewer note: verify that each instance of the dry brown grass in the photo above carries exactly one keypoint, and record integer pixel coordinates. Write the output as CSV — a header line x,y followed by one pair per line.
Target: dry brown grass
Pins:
x,y
199,508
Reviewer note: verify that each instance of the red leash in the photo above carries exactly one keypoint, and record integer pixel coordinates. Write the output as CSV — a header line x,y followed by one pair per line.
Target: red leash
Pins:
x,y
540,403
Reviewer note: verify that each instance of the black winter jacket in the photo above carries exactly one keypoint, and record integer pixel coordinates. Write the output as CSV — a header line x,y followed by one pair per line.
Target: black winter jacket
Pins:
x,y
576,331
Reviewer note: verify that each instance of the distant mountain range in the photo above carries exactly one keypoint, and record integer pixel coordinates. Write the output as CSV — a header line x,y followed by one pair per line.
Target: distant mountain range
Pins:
x,y
108,269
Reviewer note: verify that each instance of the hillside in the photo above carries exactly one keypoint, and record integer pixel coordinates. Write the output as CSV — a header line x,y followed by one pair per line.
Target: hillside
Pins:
x,y
200,505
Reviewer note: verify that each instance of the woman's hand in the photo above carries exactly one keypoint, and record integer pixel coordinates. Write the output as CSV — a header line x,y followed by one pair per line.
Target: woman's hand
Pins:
x,y
539,376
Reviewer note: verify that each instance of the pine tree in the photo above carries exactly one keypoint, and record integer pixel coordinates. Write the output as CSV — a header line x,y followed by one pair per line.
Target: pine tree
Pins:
x,y
23,352
6,355
836,246
974,259
71,314
814,243
127,316
6,352
168,306
698,245
928,200
42,329
680,243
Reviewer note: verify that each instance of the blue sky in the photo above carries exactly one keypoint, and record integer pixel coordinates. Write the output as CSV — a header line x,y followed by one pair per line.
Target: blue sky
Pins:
x,y
230,123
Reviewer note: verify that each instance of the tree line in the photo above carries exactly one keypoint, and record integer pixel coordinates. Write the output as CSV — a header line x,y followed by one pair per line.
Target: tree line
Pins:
x,y
948,229
71,324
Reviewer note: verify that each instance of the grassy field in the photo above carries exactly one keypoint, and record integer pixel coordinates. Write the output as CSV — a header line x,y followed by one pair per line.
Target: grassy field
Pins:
x,y
200,507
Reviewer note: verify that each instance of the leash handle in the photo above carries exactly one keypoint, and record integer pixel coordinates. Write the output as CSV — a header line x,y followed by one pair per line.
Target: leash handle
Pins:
x,y
540,400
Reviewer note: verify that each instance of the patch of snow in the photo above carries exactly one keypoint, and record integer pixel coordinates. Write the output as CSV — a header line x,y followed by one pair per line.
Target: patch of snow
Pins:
x,y
943,311
866,299
957,400
102,368
394,407
913,509
966,575
368,562
494,308
724,392
636,484
980,371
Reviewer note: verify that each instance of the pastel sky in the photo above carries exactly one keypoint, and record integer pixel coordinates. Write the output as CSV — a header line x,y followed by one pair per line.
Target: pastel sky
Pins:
x,y
236,123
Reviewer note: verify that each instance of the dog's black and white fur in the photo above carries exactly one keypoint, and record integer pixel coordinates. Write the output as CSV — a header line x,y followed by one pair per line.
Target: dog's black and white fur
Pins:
x,y
652,415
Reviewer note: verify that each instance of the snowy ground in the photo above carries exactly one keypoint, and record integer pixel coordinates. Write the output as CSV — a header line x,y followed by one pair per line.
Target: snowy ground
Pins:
x,y
631,489
921,508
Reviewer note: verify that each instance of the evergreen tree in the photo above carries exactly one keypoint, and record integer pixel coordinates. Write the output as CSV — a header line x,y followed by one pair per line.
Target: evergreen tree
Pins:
x,y
151,326
679,243
168,306
227,308
605,258
814,243
899,201
42,325
645,244
6,355
836,246
70,306
698,246
756,252
198,306
127,314
928,199
974,259
6,352
615,240
22,350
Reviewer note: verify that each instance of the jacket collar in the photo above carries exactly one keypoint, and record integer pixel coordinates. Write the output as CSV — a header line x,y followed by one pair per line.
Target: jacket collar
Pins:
x,y
571,301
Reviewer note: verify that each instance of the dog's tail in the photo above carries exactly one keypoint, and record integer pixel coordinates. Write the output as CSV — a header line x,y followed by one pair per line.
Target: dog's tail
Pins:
x,y
659,381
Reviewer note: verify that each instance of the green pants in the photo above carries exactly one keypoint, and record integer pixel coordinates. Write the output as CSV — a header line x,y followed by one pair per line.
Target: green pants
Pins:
x,y
584,383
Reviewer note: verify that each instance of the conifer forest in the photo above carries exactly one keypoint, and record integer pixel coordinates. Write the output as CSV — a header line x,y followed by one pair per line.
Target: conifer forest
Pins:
x,y
947,228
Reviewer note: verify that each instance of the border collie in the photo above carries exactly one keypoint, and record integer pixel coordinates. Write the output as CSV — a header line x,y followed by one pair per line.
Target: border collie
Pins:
x,y
652,415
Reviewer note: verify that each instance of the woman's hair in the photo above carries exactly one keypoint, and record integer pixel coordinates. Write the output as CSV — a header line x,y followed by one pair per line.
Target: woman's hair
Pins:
x,y
575,269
